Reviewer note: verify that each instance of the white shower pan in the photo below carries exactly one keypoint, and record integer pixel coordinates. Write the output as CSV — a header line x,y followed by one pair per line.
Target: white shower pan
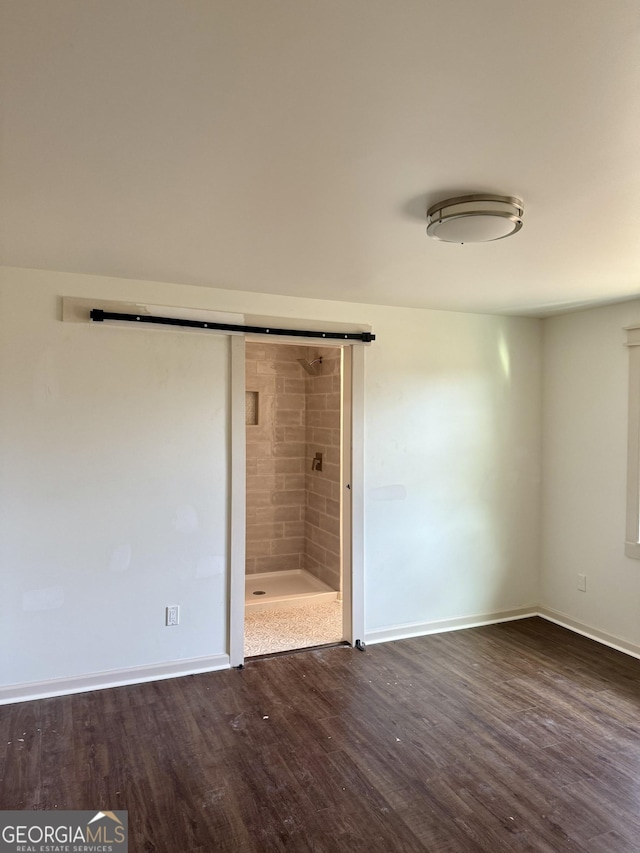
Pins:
x,y
292,588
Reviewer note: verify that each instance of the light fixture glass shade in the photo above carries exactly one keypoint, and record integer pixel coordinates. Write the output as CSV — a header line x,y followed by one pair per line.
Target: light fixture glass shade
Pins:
x,y
479,218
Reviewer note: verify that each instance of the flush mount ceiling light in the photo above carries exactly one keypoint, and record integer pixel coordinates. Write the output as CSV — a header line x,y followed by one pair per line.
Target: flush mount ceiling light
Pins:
x,y
478,218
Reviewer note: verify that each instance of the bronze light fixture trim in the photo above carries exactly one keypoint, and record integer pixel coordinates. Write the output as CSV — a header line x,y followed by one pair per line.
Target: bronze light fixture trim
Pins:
x,y
478,218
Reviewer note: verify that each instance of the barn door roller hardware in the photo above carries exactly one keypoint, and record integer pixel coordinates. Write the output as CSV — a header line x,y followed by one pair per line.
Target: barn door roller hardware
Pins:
x,y
99,316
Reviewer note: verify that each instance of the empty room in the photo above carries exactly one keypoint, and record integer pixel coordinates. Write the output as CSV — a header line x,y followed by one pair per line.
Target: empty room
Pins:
x,y
319,426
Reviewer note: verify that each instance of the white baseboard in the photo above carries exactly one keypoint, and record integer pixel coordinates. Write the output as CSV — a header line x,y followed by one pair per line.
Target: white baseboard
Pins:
x,y
610,640
419,629
112,678
158,672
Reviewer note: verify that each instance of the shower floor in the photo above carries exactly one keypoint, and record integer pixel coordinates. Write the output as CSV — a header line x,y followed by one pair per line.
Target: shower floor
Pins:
x,y
293,588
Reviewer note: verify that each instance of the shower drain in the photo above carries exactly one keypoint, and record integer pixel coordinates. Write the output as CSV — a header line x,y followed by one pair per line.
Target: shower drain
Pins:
x,y
259,592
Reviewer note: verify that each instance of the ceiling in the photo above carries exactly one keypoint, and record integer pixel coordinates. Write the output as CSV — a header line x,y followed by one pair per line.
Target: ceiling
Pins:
x,y
292,147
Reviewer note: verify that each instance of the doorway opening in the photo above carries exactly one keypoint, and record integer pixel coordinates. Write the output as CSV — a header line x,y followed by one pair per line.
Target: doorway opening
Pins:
x,y
294,491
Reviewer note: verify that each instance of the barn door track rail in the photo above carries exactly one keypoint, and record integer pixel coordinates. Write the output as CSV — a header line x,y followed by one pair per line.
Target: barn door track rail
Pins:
x,y
99,316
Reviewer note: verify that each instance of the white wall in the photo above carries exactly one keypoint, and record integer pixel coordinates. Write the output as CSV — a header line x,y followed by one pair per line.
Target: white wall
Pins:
x,y
108,435
112,449
452,420
584,471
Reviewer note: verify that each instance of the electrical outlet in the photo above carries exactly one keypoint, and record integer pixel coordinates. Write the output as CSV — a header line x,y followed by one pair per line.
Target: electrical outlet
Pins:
x,y
582,583
173,615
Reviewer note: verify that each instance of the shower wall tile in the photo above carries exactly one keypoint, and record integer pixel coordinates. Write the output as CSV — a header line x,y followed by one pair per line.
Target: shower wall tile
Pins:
x,y
329,541
293,402
316,502
320,435
333,508
262,466
332,471
293,512
271,514
260,532
316,402
290,497
323,384
280,563
257,448
333,451
289,465
276,449
319,486
289,418
259,483
294,528
258,500
288,513
290,449
318,555
288,546
323,401
285,385
253,549
321,419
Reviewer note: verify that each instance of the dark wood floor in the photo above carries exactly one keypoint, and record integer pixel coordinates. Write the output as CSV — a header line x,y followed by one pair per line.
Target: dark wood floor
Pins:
x,y
520,736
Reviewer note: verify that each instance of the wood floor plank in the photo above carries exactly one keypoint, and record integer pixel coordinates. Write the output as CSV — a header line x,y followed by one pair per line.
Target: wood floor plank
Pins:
x,y
514,737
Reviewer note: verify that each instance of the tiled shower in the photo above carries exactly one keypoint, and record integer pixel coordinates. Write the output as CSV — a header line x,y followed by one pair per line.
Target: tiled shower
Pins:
x,y
293,398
